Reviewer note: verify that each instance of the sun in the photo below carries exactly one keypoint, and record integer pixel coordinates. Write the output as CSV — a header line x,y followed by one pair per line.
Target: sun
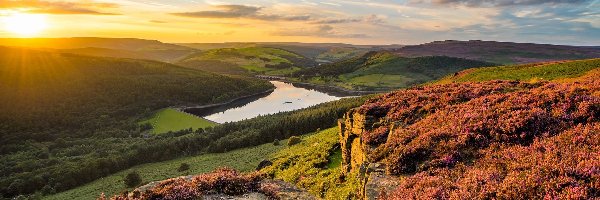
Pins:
x,y
25,24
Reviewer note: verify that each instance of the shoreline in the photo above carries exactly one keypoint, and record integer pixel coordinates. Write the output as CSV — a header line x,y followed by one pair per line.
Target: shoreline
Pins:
x,y
324,88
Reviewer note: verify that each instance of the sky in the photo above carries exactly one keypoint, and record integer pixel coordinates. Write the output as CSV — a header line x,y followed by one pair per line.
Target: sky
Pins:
x,y
571,22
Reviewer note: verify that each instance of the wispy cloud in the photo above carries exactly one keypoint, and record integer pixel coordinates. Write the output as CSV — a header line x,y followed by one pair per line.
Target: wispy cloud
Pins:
x,y
325,31
59,7
242,11
500,3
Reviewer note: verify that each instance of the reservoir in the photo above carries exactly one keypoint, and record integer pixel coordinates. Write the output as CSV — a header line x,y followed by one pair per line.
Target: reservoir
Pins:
x,y
285,97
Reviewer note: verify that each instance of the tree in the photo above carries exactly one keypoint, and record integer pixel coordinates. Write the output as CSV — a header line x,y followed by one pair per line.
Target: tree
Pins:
x,y
294,140
183,167
132,179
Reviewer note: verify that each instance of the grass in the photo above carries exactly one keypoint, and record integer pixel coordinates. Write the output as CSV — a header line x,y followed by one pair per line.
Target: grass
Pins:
x,y
242,159
170,119
315,165
549,71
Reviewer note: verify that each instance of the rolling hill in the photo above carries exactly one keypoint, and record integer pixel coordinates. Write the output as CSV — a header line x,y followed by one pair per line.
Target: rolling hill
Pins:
x,y
499,52
110,47
248,60
70,119
384,70
504,139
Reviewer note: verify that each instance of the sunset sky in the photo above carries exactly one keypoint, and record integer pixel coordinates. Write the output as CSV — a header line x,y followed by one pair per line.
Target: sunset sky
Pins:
x,y
575,22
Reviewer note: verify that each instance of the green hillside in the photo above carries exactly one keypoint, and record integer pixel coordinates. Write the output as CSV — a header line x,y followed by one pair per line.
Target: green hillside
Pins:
x,y
170,119
528,72
248,60
385,70
244,160
105,47
69,119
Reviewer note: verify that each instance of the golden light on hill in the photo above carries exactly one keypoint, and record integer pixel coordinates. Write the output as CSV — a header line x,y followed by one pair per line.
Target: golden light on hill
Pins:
x,y
24,25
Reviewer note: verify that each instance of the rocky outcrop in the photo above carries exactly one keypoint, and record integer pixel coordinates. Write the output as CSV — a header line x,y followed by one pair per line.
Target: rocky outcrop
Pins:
x,y
354,154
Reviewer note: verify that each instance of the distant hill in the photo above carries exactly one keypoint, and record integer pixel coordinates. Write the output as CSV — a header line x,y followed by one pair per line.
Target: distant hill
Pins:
x,y
499,52
385,70
151,49
320,52
526,72
247,60
69,119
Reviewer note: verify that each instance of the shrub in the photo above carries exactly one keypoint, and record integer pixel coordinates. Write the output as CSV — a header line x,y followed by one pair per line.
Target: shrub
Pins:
x,y
276,142
132,179
294,140
183,167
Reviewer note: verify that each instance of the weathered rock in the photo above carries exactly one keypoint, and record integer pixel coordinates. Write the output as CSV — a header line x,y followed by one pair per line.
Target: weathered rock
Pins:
x,y
355,151
286,191
263,164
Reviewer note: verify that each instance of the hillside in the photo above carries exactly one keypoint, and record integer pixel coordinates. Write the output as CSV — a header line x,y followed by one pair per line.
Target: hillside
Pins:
x,y
485,139
500,139
499,52
109,47
248,60
69,119
385,70
528,72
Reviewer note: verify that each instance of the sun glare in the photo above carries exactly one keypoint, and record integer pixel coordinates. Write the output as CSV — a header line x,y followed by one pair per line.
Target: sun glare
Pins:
x,y
25,24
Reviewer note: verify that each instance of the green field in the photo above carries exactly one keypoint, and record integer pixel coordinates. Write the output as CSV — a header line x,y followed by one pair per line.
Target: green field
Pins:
x,y
170,119
528,72
242,159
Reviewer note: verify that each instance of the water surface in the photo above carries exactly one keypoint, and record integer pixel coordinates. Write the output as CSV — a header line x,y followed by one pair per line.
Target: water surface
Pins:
x,y
285,97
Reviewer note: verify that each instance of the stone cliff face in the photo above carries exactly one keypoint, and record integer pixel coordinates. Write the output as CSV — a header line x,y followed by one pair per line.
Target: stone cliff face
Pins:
x,y
355,153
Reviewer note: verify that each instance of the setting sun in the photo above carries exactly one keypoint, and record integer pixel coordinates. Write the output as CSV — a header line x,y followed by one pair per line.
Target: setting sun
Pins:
x,y
25,24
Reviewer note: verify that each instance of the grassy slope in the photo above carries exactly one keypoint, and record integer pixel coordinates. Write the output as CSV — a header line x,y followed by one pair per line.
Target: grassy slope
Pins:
x,y
314,164
242,159
247,59
529,72
170,119
385,70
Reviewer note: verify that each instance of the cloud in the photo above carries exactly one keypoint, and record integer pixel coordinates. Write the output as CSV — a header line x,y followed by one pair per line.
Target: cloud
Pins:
x,y
326,31
499,3
58,7
371,19
242,11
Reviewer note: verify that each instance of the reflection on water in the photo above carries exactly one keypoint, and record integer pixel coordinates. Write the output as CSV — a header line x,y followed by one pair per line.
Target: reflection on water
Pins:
x,y
285,97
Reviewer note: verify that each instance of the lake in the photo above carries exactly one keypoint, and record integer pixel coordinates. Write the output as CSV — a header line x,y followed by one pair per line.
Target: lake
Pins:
x,y
285,97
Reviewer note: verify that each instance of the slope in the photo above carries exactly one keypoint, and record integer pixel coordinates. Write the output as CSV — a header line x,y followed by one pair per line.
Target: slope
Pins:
x,y
69,119
499,52
149,49
385,70
248,60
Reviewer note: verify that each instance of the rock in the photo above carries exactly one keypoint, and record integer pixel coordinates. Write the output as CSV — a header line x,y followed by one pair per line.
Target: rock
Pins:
x,y
263,164
285,191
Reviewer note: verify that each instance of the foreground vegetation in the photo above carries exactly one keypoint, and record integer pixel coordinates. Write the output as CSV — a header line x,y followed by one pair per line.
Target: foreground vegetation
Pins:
x,y
170,120
315,165
243,160
68,119
494,139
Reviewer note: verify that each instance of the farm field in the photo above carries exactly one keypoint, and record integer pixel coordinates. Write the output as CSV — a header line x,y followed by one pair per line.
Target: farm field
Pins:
x,y
170,119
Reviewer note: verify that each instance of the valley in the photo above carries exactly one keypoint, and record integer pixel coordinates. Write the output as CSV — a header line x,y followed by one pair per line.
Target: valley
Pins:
x,y
78,118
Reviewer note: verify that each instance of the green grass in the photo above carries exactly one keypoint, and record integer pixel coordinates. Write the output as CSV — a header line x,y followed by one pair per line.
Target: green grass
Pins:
x,y
242,159
170,119
529,72
315,165
251,59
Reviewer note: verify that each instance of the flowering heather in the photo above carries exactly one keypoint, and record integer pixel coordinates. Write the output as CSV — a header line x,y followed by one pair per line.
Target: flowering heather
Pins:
x,y
490,140
222,181
565,166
